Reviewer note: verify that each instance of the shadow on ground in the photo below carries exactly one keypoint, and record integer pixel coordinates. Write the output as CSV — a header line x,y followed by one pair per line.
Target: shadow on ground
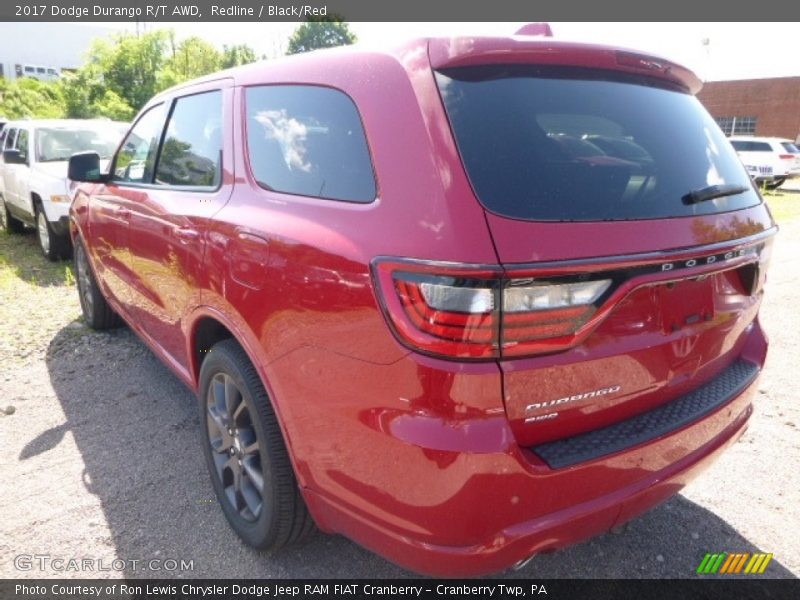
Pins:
x,y
136,427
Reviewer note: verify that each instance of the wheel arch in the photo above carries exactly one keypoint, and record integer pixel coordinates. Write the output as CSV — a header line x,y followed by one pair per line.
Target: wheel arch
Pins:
x,y
207,326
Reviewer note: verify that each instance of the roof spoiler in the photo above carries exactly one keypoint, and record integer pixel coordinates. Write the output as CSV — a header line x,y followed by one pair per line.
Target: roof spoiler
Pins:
x,y
540,29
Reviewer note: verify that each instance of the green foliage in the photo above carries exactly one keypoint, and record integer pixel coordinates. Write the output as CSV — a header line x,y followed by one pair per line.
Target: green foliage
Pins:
x,y
31,98
120,75
110,105
239,54
131,66
193,57
324,32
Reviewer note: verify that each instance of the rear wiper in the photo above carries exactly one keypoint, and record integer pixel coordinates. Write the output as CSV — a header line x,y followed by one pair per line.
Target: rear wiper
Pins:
x,y
713,191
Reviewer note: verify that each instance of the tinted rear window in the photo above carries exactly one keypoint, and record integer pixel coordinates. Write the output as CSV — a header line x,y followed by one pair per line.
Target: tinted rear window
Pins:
x,y
748,146
572,145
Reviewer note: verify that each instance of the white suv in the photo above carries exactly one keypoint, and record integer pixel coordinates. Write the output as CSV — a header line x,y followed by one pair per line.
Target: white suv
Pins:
x,y
778,154
35,190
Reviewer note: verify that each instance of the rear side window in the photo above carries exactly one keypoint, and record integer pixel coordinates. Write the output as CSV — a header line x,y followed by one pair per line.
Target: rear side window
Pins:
x,y
308,140
192,148
789,147
137,156
558,144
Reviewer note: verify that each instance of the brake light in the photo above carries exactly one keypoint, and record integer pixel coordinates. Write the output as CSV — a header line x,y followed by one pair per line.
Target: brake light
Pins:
x,y
786,156
534,311
447,315
483,315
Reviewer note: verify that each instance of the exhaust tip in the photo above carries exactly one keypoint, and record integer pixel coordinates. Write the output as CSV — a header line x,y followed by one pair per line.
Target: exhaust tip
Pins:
x,y
523,563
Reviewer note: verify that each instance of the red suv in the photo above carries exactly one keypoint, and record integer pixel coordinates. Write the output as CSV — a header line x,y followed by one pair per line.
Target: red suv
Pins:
x,y
462,302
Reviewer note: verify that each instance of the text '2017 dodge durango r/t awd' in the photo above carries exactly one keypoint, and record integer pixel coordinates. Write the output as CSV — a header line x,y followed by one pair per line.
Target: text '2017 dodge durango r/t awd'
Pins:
x,y
462,302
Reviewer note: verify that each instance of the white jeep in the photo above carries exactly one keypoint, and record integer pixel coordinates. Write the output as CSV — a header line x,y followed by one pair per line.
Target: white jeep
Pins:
x,y
35,190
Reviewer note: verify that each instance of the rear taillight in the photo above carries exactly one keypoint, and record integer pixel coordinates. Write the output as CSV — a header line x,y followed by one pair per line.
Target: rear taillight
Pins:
x,y
484,314
448,315
786,156
534,311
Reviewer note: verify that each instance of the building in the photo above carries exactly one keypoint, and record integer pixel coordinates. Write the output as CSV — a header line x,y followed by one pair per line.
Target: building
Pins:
x,y
44,50
763,107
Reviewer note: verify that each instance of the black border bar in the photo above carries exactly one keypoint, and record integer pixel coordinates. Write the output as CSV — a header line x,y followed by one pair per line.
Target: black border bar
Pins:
x,y
706,588
389,10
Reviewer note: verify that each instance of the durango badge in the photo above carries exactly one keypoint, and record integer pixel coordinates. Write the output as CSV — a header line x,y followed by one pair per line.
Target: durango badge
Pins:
x,y
566,399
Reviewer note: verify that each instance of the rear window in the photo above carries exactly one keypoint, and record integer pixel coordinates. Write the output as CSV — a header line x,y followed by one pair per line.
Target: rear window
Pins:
x,y
573,145
748,146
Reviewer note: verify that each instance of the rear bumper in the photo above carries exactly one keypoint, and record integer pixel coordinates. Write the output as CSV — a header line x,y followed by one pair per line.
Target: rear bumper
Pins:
x,y
478,510
558,529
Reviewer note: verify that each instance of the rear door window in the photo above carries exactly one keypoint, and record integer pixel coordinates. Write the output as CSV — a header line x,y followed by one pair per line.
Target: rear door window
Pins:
x,y
560,144
192,149
308,140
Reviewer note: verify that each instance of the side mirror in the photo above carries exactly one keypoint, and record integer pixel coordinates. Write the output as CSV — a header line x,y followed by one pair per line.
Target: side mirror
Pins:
x,y
85,166
13,157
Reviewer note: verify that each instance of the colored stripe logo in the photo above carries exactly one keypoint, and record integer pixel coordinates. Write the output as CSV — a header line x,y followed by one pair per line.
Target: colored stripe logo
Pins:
x,y
732,563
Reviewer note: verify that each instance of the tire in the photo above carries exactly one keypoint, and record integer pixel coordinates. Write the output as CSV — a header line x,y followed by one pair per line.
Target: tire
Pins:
x,y
774,185
52,245
243,445
96,311
10,224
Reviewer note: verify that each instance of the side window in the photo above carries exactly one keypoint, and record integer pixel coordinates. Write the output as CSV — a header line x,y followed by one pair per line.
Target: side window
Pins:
x,y
22,143
308,140
136,158
192,148
11,137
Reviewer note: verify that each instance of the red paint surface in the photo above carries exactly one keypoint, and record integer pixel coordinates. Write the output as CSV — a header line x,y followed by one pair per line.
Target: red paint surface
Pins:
x,y
425,460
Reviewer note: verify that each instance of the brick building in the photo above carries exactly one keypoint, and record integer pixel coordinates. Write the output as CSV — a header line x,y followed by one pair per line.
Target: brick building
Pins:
x,y
763,107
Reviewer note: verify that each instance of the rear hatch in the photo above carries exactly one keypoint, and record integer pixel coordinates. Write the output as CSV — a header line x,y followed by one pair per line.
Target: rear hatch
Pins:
x,y
631,237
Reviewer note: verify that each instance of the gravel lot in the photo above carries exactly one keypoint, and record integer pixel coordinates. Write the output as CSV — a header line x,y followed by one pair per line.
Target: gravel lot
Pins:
x,y
101,459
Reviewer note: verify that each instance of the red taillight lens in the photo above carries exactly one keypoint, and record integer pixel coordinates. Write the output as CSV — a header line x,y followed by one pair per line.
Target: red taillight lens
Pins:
x,y
786,156
482,315
456,317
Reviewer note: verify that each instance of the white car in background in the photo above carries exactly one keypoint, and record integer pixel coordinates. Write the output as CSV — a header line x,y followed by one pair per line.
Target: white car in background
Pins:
x,y
781,155
35,190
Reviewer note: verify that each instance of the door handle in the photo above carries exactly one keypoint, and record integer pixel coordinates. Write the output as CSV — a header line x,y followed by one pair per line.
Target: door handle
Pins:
x,y
187,234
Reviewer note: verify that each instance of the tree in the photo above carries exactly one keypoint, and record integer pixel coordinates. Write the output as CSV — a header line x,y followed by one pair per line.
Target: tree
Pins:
x,y
81,90
27,97
324,32
130,64
239,54
110,105
193,57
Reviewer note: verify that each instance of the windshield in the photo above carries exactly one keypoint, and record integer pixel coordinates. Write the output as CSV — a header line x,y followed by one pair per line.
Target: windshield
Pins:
x,y
59,143
562,144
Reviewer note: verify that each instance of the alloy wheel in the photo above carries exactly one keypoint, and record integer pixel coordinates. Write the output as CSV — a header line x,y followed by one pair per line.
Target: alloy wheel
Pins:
x,y
235,447
84,279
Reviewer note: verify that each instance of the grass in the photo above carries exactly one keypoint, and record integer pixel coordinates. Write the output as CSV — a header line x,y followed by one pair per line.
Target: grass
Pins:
x,y
784,206
37,298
